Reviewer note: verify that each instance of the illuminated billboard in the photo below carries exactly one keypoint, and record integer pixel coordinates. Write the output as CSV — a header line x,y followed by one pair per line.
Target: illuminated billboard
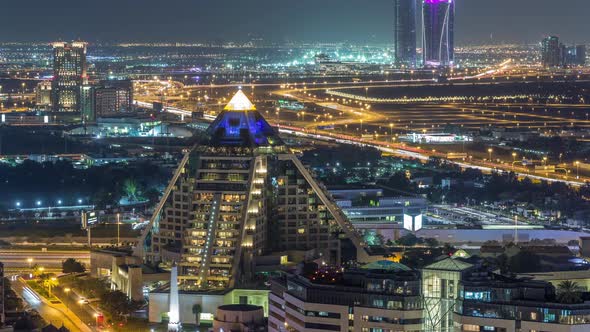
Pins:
x,y
413,223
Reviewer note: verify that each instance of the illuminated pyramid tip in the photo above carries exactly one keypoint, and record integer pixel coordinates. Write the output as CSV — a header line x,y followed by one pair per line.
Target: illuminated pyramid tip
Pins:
x,y
240,102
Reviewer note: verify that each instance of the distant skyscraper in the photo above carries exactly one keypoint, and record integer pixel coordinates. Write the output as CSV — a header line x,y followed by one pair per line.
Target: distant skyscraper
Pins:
x,y
87,103
113,97
69,74
574,56
438,20
551,52
404,33
43,94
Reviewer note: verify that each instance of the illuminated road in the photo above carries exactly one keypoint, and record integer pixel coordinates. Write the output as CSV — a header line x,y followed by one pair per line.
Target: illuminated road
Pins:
x,y
55,314
394,149
49,259
353,118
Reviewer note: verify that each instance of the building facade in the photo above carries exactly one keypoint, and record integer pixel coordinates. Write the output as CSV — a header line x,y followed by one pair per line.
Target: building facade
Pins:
x,y
379,297
69,74
239,318
404,33
450,295
112,97
238,195
574,56
491,302
43,95
551,52
438,33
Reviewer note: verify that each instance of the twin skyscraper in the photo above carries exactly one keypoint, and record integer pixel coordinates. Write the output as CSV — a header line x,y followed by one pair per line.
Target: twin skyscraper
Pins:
x,y
437,25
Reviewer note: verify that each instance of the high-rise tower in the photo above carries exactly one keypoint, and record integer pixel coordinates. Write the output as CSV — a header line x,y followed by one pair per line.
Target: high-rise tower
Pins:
x,y
237,195
404,33
69,75
438,20
551,52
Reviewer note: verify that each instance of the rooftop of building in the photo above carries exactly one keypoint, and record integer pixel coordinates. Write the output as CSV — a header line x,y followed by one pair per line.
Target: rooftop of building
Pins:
x,y
451,264
241,125
385,265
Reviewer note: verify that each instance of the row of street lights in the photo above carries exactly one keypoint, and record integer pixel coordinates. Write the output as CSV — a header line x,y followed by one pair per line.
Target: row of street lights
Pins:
x,y
39,203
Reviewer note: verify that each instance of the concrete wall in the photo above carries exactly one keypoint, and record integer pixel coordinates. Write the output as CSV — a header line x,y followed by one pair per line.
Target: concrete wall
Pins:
x,y
159,306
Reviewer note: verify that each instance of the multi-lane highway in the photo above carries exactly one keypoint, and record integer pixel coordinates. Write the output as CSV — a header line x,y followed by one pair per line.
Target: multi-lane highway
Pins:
x,y
24,259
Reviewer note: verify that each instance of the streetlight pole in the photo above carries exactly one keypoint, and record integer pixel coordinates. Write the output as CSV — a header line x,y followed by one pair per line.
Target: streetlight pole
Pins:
x,y
490,150
67,291
361,128
577,169
118,229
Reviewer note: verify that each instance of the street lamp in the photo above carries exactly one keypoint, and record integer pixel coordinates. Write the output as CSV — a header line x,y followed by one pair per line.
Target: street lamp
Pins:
x,y
67,291
361,128
30,261
577,169
490,150
118,229
38,203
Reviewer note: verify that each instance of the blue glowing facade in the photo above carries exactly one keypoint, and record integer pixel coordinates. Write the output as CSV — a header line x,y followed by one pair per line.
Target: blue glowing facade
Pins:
x,y
238,128
438,33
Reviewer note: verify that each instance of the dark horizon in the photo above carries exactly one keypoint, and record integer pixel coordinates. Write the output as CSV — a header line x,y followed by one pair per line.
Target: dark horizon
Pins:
x,y
356,21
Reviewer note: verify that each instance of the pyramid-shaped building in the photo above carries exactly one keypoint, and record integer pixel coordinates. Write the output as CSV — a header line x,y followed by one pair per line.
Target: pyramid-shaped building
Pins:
x,y
237,195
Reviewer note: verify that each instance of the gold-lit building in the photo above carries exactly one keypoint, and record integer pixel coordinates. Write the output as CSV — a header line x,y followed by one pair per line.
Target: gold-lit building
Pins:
x,y
239,195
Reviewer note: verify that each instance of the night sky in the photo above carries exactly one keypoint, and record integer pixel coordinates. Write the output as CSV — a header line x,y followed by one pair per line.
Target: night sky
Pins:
x,y
522,21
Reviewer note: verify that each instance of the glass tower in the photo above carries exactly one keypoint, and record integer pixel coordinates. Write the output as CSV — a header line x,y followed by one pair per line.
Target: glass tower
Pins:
x,y
404,33
438,19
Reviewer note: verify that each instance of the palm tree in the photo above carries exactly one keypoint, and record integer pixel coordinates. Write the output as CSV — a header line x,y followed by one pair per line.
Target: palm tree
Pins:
x,y
569,292
38,271
130,187
50,283
197,309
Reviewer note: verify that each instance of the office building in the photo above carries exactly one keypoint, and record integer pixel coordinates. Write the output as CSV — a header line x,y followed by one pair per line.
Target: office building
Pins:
x,y
551,52
87,103
381,296
492,302
113,97
574,56
454,294
374,215
404,33
69,75
438,33
238,195
43,95
440,290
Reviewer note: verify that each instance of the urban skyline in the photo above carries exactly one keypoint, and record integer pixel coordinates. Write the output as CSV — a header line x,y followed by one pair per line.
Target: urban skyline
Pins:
x,y
385,179
527,21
